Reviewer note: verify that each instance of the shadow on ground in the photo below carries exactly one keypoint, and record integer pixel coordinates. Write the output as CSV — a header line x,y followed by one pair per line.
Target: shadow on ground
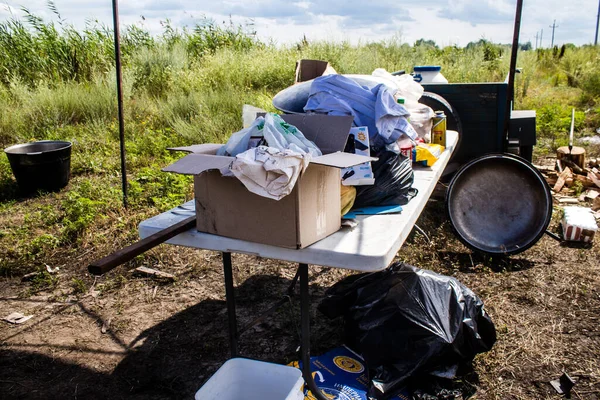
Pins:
x,y
175,357
469,262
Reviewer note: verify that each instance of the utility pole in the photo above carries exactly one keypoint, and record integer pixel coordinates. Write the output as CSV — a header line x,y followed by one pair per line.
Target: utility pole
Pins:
x,y
553,26
541,37
597,23
537,35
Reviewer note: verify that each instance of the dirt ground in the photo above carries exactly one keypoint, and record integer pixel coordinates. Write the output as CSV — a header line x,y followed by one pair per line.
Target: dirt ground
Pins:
x,y
137,338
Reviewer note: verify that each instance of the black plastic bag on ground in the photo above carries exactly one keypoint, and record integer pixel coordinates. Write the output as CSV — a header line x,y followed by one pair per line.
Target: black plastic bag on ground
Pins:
x,y
394,177
409,323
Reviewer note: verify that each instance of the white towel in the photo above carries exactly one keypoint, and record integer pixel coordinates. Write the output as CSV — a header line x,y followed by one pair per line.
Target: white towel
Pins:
x,y
269,172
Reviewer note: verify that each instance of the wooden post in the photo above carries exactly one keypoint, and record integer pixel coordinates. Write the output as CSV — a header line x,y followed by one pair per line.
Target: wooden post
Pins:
x,y
577,155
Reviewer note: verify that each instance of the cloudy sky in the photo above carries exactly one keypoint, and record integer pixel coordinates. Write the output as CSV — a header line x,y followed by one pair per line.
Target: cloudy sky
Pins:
x,y
445,21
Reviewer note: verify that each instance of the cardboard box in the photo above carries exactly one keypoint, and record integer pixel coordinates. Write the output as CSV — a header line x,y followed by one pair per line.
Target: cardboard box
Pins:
x,y
311,212
361,174
311,69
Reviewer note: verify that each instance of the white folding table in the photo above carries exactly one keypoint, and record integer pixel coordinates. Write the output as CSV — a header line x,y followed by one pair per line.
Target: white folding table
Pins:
x,y
370,246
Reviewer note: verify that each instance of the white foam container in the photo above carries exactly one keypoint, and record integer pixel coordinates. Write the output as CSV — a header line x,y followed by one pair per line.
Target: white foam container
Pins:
x,y
579,224
243,379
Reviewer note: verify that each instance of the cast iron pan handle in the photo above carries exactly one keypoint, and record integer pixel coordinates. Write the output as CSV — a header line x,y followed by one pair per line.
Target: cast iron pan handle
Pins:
x,y
554,236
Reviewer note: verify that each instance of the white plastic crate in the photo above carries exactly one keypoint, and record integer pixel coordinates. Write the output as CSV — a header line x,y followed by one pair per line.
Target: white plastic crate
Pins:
x,y
243,379
579,224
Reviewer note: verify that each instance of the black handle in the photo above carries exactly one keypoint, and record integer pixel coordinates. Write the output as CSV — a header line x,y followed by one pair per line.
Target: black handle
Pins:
x,y
554,236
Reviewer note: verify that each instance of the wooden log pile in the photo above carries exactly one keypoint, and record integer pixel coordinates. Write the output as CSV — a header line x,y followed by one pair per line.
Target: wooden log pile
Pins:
x,y
572,180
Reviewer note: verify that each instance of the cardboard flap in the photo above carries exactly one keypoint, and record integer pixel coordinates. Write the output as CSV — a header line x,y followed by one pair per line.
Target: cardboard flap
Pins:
x,y
194,164
206,148
341,160
328,132
311,69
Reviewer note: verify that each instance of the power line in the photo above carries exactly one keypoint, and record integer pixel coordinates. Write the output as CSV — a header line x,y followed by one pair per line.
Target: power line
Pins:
x,y
553,26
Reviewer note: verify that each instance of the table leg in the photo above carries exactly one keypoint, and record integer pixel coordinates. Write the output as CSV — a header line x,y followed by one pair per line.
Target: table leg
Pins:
x,y
305,343
230,297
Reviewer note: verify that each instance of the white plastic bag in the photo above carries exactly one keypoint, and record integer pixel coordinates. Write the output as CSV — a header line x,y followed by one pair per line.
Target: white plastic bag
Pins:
x,y
408,89
276,132
421,118
281,135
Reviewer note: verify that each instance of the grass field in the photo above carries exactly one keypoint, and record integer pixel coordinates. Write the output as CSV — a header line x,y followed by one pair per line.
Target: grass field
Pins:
x,y
187,87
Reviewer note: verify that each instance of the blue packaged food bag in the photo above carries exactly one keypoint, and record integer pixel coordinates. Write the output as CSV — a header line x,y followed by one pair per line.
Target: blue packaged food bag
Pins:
x,y
341,375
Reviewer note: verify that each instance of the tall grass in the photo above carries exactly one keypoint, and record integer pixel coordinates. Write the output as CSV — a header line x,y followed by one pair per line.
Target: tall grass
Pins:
x,y
35,51
194,81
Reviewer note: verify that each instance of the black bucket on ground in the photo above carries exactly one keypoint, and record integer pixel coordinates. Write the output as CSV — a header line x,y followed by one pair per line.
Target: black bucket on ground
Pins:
x,y
44,165
499,204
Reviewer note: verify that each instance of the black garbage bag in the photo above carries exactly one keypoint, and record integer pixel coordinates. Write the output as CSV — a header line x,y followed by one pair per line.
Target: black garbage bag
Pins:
x,y
409,323
394,177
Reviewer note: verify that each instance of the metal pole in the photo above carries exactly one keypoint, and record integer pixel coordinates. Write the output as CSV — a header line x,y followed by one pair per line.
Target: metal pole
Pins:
x,y
597,23
541,37
115,6
230,298
513,65
553,26
305,338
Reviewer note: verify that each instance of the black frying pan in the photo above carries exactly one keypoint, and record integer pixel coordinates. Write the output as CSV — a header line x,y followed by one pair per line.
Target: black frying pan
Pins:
x,y
499,204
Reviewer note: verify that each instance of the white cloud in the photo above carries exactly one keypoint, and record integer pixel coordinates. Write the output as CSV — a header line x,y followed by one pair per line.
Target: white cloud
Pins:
x,y
479,12
445,21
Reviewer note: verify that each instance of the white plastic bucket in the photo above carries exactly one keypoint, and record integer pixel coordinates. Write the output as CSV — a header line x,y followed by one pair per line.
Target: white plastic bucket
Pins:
x,y
429,74
243,379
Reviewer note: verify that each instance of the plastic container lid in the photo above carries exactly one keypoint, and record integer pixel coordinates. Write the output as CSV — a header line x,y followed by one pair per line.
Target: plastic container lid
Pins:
x,y
240,378
427,68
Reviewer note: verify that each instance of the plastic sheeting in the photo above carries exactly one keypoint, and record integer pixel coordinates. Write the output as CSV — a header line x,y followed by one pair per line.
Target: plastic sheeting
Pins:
x,y
409,323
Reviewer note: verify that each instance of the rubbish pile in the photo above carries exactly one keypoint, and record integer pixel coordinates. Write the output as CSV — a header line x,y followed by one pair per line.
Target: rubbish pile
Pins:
x,y
381,128
352,146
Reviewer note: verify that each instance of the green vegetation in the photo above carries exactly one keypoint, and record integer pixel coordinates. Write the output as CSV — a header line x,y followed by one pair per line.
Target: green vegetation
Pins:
x,y
188,86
